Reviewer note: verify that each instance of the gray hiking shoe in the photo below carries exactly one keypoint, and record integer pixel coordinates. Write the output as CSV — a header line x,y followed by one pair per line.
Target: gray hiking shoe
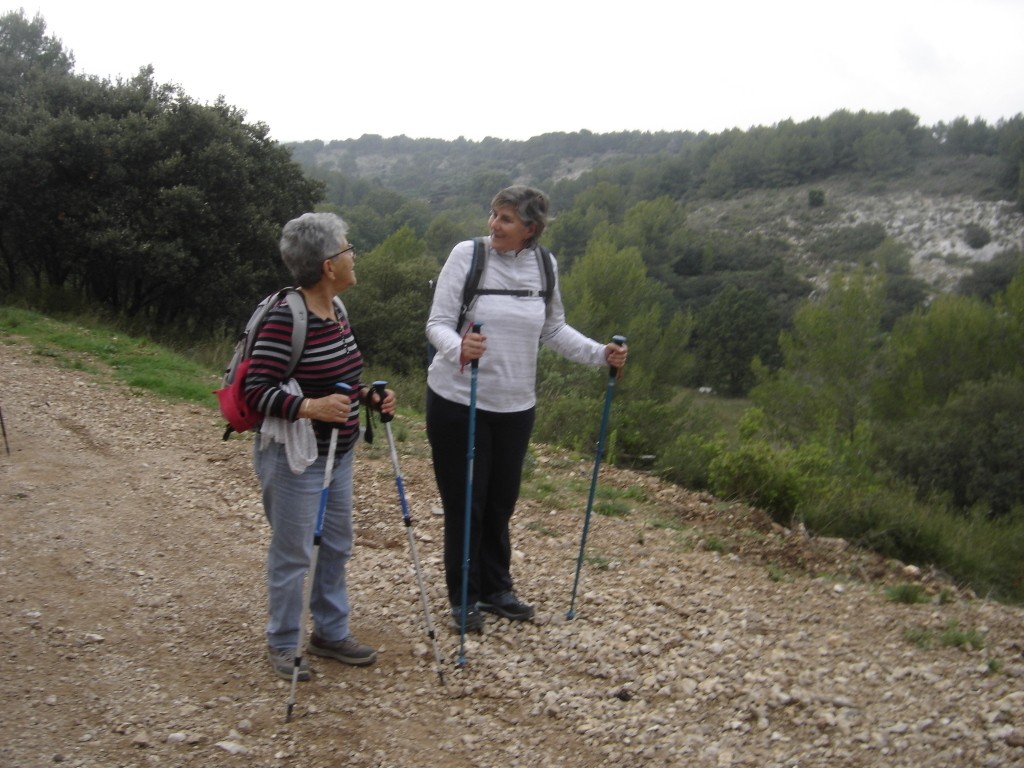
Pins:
x,y
283,662
508,605
347,651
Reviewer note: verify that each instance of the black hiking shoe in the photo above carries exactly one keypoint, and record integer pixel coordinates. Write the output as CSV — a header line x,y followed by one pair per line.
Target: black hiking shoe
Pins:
x,y
474,621
508,605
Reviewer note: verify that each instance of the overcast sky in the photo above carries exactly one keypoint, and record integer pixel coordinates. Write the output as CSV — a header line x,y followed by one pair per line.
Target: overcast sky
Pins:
x,y
343,68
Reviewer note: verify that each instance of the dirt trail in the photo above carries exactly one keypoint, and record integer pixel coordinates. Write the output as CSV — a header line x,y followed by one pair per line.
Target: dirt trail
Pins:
x,y
132,611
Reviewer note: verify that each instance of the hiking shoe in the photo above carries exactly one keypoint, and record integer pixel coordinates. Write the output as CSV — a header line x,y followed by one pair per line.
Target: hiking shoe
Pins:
x,y
283,662
347,651
508,605
474,621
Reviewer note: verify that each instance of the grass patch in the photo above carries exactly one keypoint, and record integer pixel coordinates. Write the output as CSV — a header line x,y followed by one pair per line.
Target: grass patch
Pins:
x,y
922,637
951,636
139,363
777,573
909,594
600,562
665,523
613,508
715,544
540,528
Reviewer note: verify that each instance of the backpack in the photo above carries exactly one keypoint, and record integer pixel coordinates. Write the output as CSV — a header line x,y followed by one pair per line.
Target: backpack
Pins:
x,y
470,289
231,395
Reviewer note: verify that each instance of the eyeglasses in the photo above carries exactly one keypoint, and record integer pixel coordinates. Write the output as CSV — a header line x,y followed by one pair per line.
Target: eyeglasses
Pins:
x,y
342,252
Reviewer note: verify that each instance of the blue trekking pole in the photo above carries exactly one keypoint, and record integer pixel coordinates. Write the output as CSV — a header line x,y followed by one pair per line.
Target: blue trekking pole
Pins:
x,y
609,392
318,530
470,455
385,418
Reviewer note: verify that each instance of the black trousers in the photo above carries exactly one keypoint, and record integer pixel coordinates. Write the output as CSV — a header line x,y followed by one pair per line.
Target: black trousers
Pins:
x,y
501,443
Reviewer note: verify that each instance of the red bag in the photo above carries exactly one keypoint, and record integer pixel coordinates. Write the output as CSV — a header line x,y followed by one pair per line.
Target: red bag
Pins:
x,y
233,407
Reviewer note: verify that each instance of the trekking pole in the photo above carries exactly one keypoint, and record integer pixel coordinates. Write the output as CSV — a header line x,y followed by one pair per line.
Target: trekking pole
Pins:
x,y
609,391
3,428
470,455
385,419
307,591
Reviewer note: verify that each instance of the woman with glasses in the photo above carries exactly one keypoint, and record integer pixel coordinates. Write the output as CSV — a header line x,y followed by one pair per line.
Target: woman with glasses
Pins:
x,y
316,251
515,319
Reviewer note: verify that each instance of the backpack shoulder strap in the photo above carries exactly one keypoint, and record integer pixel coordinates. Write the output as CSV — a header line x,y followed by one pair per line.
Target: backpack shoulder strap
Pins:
x,y
339,308
547,265
469,288
300,322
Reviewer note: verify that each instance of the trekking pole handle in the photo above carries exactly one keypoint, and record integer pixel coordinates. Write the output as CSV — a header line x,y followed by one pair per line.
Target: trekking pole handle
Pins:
x,y
476,360
620,340
341,388
379,387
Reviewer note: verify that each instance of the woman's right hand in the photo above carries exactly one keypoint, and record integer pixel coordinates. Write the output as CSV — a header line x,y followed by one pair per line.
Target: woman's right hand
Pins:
x,y
473,347
333,408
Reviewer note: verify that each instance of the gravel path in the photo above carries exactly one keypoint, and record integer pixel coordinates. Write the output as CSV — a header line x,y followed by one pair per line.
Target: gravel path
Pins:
x,y
132,611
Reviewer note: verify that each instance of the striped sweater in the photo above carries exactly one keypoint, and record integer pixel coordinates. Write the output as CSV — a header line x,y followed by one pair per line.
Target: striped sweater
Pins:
x,y
330,356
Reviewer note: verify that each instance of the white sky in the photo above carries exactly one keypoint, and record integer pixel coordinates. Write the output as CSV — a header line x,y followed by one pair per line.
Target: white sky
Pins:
x,y
342,68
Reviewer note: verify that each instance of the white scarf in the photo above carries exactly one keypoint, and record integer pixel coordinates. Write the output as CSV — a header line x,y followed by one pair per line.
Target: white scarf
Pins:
x,y
297,436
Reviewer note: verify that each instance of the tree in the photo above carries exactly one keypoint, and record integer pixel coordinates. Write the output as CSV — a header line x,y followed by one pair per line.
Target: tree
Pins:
x,y
971,448
828,361
161,210
729,333
390,303
934,351
610,292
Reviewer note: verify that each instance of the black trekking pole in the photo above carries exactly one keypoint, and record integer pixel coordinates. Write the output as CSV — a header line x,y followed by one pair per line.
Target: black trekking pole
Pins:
x,y
3,428
318,530
470,455
609,392
385,419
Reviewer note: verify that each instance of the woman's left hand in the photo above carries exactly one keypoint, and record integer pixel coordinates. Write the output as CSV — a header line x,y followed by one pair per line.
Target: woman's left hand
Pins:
x,y
388,404
384,404
616,355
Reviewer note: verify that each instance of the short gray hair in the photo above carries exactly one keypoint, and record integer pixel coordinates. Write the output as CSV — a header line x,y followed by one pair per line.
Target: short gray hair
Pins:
x,y
307,241
531,205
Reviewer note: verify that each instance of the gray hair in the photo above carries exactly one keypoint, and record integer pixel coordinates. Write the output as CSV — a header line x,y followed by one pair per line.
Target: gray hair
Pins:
x,y
307,241
531,205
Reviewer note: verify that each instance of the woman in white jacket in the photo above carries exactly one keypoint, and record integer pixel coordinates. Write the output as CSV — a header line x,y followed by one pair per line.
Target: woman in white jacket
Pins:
x,y
515,320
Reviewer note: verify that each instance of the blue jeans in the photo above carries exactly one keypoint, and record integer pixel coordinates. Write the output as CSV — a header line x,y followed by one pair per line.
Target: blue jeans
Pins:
x,y
291,503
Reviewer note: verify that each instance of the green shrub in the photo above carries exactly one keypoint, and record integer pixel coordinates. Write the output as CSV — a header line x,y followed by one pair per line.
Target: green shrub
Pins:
x,y
757,475
815,198
987,555
687,460
568,422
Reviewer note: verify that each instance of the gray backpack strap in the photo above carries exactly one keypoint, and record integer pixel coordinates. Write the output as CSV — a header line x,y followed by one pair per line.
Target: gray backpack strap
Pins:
x,y
300,322
339,308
